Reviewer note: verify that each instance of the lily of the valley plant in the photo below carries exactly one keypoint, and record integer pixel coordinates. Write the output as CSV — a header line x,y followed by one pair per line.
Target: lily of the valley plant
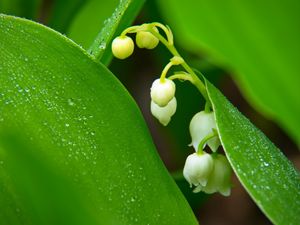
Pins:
x,y
208,172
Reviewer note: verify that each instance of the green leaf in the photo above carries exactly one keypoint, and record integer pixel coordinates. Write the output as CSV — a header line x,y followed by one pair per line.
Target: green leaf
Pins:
x,y
267,175
87,124
121,18
31,178
28,8
257,40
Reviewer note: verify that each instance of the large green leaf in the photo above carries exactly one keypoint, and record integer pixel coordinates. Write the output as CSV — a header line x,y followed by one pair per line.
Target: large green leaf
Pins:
x,y
267,175
90,127
257,40
34,180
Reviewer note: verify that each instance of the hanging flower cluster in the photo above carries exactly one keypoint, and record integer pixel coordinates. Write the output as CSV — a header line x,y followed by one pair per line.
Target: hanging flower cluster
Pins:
x,y
209,173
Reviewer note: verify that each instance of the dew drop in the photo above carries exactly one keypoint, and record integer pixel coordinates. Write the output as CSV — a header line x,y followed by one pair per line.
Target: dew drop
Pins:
x,y
102,46
71,102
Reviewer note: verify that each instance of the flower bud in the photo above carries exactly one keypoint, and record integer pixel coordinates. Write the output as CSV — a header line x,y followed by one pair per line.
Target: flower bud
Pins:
x,y
198,168
162,91
202,124
122,47
144,39
219,179
164,114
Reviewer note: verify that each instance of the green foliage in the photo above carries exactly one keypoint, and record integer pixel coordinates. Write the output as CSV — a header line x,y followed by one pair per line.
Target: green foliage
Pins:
x,y
33,191
257,40
268,176
86,126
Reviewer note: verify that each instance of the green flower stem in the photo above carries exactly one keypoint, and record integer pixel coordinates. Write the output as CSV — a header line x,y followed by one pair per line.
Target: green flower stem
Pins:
x,y
165,71
132,29
207,108
181,76
196,81
166,30
204,140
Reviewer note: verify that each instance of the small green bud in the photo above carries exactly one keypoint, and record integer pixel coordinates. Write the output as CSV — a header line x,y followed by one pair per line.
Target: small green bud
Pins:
x,y
162,91
144,39
220,178
202,124
122,47
198,168
164,114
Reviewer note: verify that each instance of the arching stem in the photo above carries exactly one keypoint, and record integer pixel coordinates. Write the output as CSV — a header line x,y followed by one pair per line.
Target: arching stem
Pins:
x,y
204,140
196,81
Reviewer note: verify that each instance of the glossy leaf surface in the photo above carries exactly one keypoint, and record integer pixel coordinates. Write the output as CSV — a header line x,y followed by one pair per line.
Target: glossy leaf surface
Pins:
x,y
79,115
267,175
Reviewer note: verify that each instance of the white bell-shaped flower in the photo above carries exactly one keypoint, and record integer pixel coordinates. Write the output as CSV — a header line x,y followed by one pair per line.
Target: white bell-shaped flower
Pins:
x,y
164,114
162,91
122,47
220,178
144,39
198,168
202,124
